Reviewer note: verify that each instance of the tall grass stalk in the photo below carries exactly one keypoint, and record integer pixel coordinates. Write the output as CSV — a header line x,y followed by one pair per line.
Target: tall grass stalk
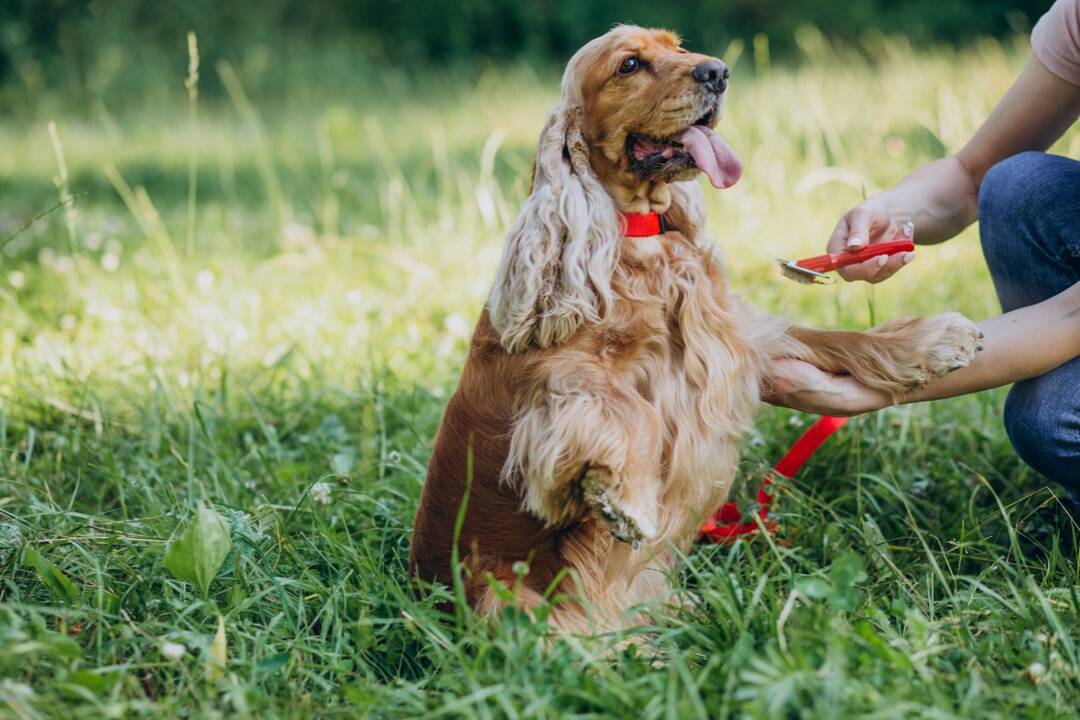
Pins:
x,y
61,181
235,89
144,211
192,85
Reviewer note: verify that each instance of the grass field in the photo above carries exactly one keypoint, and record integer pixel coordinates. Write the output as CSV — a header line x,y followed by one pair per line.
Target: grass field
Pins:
x,y
262,306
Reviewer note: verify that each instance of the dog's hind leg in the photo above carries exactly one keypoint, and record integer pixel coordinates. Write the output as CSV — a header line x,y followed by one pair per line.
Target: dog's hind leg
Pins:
x,y
581,599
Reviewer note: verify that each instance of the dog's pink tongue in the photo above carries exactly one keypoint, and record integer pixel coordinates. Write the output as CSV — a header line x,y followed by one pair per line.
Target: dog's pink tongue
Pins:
x,y
714,156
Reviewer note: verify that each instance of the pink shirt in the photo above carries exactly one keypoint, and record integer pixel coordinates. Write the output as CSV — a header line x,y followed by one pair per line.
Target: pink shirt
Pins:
x,y
1056,40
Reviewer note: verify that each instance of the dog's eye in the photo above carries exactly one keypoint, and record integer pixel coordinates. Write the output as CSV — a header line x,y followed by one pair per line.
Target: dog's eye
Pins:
x,y
629,65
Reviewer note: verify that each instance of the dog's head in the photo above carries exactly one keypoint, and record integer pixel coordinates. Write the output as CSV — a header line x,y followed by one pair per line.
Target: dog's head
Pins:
x,y
636,118
648,112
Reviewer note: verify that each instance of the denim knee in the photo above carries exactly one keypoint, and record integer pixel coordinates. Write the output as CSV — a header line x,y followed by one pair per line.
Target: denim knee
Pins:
x,y
1008,199
1028,207
1042,419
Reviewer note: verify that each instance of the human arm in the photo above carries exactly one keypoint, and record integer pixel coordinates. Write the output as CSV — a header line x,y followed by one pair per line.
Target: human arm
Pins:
x,y
1018,345
941,198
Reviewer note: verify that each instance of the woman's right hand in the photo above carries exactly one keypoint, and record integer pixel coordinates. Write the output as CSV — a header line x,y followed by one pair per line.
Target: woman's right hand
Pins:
x,y
802,386
870,223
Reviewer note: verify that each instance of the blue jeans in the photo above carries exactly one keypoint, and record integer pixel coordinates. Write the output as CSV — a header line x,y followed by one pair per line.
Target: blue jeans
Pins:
x,y
1029,220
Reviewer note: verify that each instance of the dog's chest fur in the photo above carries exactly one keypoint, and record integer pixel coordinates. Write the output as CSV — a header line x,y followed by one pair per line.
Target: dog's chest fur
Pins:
x,y
693,359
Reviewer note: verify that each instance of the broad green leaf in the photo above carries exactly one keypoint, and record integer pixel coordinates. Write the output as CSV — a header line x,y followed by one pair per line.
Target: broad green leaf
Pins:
x,y
197,553
839,589
60,646
845,572
813,587
95,681
61,588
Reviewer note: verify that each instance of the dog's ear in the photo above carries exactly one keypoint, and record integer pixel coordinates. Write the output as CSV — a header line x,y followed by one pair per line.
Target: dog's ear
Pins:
x,y
560,254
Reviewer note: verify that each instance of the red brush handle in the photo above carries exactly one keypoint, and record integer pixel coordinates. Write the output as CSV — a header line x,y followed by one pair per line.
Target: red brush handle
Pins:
x,y
828,263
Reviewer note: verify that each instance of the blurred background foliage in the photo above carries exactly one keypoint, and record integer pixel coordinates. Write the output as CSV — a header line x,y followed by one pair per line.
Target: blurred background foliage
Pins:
x,y
88,44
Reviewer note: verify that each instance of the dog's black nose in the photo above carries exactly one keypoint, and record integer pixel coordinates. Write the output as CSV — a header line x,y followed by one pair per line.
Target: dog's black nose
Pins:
x,y
712,74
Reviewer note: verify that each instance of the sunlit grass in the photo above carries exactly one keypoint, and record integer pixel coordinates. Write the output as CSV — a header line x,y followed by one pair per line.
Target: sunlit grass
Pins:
x,y
311,334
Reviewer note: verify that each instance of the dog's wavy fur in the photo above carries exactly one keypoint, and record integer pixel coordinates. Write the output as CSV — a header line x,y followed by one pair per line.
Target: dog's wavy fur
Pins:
x,y
610,379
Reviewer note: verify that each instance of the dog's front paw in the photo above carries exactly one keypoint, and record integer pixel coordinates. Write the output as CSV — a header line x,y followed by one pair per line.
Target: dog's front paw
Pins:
x,y
957,342
626,523
913,352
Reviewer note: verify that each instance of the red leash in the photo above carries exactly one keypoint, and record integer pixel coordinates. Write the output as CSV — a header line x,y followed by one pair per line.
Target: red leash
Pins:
x,y
725,526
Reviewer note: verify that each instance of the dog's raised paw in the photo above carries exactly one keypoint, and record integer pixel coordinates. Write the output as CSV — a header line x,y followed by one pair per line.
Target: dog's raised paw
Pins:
x,y
623,522
957,344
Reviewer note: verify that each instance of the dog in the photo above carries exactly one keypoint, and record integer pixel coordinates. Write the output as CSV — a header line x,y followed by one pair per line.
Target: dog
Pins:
x,y
609,380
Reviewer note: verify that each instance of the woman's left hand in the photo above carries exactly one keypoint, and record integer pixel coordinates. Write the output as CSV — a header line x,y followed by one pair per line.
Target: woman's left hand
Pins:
x,y
802,386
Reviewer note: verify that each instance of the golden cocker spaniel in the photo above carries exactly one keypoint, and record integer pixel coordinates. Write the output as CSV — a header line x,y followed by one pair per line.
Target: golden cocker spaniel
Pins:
x,y
610,378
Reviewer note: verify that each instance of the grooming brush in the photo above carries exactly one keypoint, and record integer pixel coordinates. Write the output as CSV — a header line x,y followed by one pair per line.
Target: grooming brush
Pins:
x,y
811,271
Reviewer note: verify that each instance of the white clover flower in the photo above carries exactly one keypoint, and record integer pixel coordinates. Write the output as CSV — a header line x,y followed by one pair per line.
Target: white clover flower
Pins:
x,y
173,650
1035,673
320,493
16,279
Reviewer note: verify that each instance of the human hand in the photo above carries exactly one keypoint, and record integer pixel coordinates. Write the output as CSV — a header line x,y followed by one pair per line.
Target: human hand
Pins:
x,y
802,386
870,223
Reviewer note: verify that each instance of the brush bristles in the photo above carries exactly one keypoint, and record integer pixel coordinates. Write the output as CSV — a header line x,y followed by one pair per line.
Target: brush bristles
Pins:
x,y
797,276
802,275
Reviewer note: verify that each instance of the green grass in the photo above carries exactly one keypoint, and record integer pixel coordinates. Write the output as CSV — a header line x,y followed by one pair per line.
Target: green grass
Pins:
x,y
311,332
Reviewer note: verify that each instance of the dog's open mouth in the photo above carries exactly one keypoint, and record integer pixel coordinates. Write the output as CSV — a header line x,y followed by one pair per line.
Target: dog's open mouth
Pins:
x,y
698,146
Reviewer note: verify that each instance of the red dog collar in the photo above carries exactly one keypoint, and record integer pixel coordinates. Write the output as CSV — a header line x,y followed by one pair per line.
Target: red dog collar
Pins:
x,y
643,224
